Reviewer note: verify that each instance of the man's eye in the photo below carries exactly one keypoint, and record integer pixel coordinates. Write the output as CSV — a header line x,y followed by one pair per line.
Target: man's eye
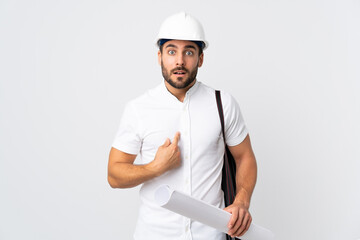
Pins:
x,y
189,53
171,52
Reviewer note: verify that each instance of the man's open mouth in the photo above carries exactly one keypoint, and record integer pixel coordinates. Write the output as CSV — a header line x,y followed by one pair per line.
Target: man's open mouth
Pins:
x,y
179,72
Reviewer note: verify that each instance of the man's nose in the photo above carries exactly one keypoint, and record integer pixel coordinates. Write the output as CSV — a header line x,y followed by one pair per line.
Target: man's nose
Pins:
x,y
180,60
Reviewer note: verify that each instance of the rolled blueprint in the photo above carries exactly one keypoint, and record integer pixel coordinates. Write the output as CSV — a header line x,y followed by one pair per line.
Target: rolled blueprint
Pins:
x,y
205,213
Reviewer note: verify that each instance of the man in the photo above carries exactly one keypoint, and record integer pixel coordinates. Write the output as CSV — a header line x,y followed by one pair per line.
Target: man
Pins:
x,y
184,110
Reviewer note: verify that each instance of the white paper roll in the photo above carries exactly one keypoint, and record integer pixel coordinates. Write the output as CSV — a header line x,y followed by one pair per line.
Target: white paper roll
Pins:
x,y
205,213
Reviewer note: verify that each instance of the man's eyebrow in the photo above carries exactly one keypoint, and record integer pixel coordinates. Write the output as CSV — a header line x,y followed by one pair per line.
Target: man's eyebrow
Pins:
x,y
171,45
190,46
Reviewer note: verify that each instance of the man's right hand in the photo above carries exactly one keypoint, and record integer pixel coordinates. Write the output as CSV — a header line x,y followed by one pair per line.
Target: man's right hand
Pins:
x,y
123,173
167,156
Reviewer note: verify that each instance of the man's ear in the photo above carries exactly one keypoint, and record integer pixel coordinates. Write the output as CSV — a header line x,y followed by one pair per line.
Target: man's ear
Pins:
x,y
201,60
159,57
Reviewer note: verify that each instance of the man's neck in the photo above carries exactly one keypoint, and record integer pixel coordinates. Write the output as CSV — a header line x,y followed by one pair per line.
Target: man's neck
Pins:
x,y
178,93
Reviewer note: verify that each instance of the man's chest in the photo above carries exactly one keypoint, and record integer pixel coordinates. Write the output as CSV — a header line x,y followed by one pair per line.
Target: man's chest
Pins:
x,y
199,128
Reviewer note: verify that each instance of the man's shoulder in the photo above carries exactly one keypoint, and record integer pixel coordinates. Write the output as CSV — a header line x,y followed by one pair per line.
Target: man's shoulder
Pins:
x,y
226,97
206,89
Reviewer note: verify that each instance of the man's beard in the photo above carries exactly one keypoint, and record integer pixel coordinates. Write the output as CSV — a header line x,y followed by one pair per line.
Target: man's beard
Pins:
x,y
181,83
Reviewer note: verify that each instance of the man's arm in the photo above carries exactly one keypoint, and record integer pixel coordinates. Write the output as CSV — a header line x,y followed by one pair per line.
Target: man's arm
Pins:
x,y
123,173
246,174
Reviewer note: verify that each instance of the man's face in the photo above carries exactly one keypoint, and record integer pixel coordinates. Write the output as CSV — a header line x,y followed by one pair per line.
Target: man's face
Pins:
x,y
179,62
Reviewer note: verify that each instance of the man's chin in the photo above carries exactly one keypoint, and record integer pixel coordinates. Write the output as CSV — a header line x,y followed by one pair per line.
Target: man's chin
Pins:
x,y
178,83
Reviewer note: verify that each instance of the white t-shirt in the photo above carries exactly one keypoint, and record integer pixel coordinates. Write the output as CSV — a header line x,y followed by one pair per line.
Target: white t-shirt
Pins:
x,y
156,115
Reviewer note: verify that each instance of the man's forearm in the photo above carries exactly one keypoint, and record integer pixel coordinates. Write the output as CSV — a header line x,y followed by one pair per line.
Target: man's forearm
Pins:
x,y
246,171
123,173
127,175
246,175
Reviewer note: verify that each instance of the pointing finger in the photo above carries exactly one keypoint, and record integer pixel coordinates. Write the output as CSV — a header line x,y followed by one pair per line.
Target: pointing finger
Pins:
x,y
176,138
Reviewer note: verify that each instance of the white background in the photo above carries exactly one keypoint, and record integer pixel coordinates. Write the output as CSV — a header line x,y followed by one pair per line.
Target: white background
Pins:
x,y
68,67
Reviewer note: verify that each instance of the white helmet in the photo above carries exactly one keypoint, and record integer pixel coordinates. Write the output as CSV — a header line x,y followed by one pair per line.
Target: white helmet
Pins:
x,y
182,26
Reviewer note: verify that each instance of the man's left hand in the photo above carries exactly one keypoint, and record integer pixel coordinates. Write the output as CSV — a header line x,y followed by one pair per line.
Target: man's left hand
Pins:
x,y
240,219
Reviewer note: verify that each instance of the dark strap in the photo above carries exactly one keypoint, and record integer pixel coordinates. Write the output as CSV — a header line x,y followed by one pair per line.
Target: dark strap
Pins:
x,y
221,112
228,184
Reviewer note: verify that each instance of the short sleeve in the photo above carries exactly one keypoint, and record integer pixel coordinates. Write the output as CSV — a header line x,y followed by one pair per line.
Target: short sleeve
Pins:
x,y
127,138
235,128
